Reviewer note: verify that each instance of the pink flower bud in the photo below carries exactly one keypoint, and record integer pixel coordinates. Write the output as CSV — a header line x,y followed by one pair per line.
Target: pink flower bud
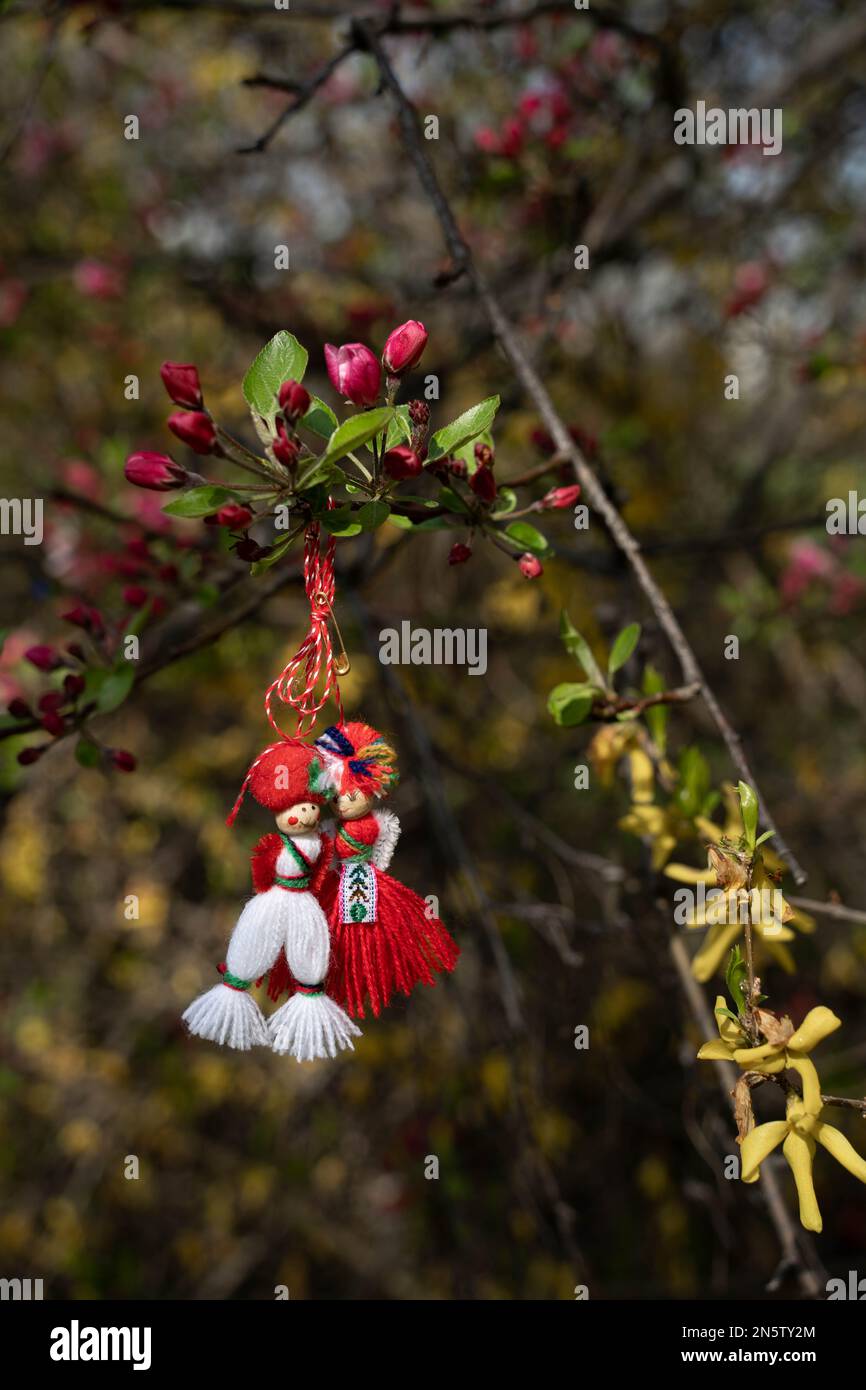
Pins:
x,y
483,484
135,596
232,514
559,497
354,372
155,471
123,761
402,462
459,554
19,709
180,380
195,429
404,347
530,566
44,658
294,400
483,455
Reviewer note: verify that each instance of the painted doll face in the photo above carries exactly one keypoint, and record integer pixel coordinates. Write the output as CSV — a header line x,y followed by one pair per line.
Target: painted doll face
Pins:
x,y
299,819
352,805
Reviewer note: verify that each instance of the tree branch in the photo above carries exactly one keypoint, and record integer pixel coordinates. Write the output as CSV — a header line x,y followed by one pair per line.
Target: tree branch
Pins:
x,y
619,532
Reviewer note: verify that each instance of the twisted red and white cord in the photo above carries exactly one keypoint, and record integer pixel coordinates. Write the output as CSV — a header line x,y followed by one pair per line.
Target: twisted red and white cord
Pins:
x,y
315,655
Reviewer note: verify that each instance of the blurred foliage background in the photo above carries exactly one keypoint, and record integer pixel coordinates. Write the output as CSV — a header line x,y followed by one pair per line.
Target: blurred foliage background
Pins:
x,y
557,1166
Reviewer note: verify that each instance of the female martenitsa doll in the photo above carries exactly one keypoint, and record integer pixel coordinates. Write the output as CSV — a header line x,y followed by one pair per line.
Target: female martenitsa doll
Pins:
x,y
384,939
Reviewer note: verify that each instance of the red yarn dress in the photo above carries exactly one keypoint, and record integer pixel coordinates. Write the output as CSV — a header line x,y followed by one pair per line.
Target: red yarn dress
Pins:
x,y
382,939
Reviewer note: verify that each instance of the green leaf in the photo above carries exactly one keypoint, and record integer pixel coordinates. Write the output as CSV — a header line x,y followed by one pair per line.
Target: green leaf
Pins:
x,y
623,647
115,688
767,835
282,359
736,976
372,515
528,537
464,429
336,518
314,471
400,428
578,647
451,499
571,702
355,431
87,753
749,809
320,418
506,501
657,715
405,523
199,501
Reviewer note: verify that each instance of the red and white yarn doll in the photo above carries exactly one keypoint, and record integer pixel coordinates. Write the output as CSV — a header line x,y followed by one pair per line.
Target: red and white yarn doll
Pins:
x,y
284,922
383,936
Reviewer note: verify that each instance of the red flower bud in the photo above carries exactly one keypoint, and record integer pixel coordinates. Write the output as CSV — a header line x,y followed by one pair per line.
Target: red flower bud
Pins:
x,y
31,755
483,484
402,462
169,574
53,723
44,658
284,448
88,618
155,471
559,497
530,566
457,467
194,428
404,347
18,708
77,651
180,380
419,412
135,596
483,455
250,550
232,514
459,554
73,685
354,372
543,441
294,400
51,700
123,761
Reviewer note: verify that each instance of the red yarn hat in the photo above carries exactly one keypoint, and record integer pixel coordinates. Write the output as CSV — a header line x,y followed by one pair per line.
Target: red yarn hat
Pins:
x,y
280,777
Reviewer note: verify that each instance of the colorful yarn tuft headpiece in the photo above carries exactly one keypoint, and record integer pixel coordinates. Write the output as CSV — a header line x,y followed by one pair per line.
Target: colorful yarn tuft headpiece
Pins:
x,y
355,757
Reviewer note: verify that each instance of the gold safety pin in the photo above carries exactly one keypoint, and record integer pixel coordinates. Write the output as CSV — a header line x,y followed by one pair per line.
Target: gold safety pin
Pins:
x,y
342,665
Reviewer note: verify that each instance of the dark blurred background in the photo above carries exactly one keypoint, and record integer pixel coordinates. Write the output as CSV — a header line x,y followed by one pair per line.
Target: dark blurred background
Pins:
x,y
557,1167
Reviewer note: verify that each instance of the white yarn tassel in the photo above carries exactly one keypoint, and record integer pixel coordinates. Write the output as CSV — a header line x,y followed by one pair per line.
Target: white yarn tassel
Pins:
x,y
229,1017
309,1025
